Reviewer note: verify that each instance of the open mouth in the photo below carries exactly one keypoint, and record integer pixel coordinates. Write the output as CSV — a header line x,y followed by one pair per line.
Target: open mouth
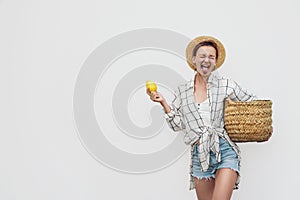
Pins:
x,y
205,68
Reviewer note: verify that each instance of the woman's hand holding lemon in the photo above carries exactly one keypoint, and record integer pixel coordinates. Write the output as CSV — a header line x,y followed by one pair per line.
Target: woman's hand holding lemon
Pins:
x,y
152,92
151,89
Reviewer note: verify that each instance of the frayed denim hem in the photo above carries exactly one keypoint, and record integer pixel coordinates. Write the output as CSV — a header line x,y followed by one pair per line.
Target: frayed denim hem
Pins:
x,y
204,177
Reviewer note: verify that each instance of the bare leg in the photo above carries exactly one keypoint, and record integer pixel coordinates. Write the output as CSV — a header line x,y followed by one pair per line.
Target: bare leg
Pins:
x,y
204,188
224,183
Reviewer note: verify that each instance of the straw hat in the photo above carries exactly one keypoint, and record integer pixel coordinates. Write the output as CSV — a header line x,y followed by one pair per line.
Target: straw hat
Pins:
x,y
190,47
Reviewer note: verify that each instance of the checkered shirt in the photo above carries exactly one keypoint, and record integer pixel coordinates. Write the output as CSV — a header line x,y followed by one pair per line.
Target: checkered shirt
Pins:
x,y
184,116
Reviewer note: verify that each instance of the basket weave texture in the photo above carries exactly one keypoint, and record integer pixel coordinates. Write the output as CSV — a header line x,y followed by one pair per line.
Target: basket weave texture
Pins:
x,y
248,121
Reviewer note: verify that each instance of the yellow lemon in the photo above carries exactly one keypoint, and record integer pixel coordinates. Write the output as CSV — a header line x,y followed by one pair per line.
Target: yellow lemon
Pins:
x,y
151,86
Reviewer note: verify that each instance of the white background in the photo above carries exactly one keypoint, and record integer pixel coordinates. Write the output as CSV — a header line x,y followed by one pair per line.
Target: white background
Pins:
x,y
43,45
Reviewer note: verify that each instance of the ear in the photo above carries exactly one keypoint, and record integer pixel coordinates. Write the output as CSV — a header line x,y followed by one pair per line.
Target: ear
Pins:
x,y
194,59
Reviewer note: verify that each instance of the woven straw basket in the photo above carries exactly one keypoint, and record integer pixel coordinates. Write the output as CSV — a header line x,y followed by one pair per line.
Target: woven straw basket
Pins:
x,y
248,121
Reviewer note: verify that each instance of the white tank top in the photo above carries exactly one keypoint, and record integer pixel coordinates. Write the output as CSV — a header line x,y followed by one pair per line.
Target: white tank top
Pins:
x,y
204,112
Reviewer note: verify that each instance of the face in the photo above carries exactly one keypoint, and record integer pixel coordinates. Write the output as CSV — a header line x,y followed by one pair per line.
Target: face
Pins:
x,y
205,60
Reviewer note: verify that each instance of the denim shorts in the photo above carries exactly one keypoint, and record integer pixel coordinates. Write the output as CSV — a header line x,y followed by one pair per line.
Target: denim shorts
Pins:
x,y
229,159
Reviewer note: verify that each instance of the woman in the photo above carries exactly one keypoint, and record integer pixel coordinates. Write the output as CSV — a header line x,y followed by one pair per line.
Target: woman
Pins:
x,y
198,110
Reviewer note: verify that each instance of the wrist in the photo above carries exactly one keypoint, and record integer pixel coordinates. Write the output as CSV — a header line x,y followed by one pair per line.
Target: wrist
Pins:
x,y
164,103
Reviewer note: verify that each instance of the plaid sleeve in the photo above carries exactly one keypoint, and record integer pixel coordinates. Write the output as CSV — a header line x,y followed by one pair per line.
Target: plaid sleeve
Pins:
x,y
174,118
238,93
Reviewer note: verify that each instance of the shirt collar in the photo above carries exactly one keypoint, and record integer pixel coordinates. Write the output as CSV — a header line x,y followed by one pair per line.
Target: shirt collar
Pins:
x,y
211,80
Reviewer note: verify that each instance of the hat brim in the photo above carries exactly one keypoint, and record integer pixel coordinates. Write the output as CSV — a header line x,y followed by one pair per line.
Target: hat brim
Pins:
x,y
190,47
